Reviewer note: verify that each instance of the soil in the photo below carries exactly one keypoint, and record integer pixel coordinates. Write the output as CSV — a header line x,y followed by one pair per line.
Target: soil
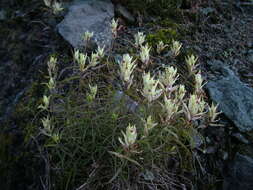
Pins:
x,y
27,38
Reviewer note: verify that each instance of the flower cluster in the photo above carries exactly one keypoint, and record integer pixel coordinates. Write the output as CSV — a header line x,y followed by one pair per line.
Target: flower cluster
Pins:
x,y
54,5
198,83
149,124
57,7
101,52
191,63
49,129
80,58
139,39
91,95
180,93
52,71
114,27
94,59
213,113
166,104
150,90
175,48
130,137
145,54
46,101
171,108
87,37
127,66
195,108
168,78
47,122
160,47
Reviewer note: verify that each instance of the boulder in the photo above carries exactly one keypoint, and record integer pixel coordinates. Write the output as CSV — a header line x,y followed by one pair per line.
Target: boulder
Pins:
x,y
93,16
235,99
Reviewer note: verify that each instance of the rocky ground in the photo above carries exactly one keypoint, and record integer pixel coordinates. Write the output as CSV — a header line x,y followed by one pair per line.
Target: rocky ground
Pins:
x,y
225,46
221,34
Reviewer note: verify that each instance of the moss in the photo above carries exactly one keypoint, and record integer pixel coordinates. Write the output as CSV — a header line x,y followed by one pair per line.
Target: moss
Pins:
x,y
6,141
30,100
27,108
19,166
165,35
6,158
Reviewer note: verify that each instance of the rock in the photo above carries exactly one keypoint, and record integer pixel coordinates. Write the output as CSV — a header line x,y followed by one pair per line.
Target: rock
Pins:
x,y
118,58
92,16
207,11
210,150
240,174
196,139
123,12
130,104
241,138
250,56
2,14
224,155
235,99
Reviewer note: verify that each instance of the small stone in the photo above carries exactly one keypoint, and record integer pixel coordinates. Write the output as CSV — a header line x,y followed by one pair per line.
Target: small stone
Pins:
x,y
224,155
148,175
118,58
2,15
197,140
210,150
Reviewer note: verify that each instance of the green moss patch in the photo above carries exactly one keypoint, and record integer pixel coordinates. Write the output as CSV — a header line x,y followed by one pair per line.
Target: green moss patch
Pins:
x,y
165,35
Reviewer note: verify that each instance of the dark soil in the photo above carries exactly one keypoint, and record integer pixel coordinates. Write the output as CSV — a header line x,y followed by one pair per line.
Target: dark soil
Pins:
x,y
27,38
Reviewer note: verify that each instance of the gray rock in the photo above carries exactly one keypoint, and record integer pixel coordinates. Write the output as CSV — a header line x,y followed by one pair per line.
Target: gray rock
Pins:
x,y
241,138
240,174
93,16
196,140
130,104
123,12
250,56
210,150
234,97
2,14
